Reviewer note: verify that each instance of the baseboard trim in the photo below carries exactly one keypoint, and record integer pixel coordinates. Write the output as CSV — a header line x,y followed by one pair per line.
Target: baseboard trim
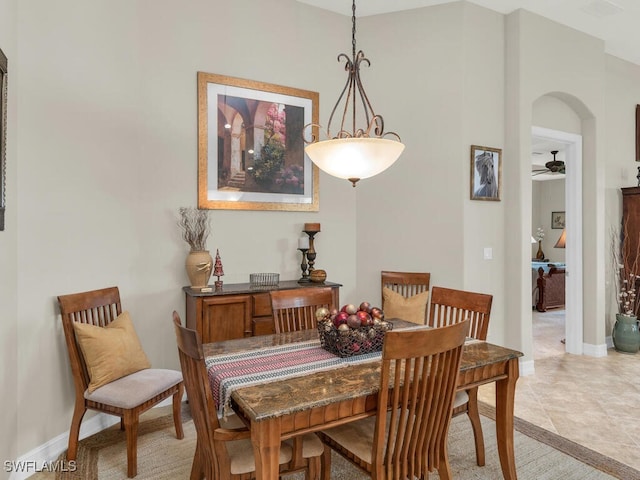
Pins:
x,y
526,367
34,460
596,350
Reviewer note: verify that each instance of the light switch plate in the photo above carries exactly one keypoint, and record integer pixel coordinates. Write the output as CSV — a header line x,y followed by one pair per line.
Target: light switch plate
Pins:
x,y
488,253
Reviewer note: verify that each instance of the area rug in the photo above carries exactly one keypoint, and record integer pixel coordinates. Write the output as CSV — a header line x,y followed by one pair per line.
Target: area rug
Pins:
x,y
540,454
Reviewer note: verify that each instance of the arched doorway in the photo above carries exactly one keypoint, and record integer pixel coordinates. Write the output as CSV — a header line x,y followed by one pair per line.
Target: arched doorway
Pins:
x,y
571,143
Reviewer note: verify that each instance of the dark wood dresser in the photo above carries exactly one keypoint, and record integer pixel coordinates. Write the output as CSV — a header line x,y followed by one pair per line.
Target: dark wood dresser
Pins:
x,y
238,310
630,222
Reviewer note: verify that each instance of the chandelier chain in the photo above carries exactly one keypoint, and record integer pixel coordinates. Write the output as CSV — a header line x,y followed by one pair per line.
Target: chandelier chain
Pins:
x,y
353,29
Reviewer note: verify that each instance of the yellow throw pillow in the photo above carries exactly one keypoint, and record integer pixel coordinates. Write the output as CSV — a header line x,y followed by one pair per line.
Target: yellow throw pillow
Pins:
x,y
110,352
411,309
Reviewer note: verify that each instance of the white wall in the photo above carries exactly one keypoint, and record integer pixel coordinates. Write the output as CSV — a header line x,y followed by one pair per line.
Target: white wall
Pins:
x,y
448,96
545,58
8,250
548,197
408,218
108,152
622,94
483,117
107,143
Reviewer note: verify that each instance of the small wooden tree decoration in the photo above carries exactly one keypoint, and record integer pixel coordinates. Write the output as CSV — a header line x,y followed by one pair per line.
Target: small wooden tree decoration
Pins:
x,y
218,271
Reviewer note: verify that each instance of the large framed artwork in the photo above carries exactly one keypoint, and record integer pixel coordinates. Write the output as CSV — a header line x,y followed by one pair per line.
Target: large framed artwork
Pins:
x,y
251,146
486,173
3,136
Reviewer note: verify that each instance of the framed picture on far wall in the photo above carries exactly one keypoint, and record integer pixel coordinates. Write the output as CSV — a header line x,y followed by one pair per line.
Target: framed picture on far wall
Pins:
x,y
251,145
557,220
486,173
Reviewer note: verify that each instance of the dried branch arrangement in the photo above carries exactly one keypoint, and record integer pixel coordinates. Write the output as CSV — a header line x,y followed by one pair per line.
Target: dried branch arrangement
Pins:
x,y
196,227
626,265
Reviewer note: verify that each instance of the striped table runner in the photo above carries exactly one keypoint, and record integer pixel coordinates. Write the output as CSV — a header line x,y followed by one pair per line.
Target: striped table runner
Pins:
x,y
265,365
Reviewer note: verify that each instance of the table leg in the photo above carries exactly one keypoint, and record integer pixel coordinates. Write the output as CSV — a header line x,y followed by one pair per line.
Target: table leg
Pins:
x,y
505,395
265,437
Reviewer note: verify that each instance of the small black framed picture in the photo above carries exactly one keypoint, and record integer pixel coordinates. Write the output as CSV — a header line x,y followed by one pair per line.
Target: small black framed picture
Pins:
x,y
557,220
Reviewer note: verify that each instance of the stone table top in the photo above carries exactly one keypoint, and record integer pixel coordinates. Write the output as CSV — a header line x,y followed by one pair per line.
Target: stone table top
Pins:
x,y
322,388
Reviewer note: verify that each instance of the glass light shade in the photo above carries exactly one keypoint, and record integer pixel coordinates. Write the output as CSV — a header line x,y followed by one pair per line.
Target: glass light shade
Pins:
x,y
354,158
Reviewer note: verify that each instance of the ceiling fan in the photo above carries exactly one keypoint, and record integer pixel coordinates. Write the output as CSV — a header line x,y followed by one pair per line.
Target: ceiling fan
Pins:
x,y
554,166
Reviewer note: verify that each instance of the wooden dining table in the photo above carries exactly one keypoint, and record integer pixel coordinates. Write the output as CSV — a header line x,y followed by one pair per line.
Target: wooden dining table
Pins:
x,y
321,399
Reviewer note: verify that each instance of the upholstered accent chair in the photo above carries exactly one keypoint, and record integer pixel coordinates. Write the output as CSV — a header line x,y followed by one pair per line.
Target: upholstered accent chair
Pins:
x,y
107,378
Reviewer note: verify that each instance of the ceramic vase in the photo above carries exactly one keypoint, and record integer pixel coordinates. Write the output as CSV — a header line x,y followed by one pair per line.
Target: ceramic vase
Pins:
x,y
625,335
199,265
540,254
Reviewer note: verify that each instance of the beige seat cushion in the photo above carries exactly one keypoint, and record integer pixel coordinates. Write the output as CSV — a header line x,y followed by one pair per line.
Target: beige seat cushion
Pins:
x,y
110,352
460,399
242,459
136,388
412,309
356,437
312,446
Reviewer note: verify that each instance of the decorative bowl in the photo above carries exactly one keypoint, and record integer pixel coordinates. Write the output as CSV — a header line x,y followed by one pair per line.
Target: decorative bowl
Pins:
x,y
318,276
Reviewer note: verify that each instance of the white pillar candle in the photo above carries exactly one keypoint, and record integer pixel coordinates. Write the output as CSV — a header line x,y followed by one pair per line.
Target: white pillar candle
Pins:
x,y
303,242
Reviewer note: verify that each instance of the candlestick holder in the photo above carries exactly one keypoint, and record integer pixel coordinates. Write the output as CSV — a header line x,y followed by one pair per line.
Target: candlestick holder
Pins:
x,y
311,253
303,266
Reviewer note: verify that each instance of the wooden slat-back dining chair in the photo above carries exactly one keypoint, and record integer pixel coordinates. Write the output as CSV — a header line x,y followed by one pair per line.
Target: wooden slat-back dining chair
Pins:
x,y
407,438
126,397
407,284
223,447
449,306
295,309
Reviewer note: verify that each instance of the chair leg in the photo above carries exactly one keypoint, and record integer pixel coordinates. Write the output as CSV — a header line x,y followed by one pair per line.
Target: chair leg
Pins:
x,y
444,467
197,468
74,431
177,414
325,467
131,419
296,458
313,468
476,425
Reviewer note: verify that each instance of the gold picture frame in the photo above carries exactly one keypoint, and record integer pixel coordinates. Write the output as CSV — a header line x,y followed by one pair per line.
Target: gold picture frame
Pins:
x,y
3,136
638,134
486,173
251,146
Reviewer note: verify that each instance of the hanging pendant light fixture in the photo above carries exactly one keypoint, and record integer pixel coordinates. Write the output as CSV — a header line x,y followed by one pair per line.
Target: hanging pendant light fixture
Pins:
x,y
361,152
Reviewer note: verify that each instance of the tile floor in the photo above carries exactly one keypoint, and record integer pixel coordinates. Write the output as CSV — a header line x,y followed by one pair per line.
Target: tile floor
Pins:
x,y
593,401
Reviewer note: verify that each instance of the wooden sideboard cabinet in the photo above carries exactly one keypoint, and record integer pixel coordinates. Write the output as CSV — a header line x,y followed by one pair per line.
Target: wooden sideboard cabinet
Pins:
x,y
238,310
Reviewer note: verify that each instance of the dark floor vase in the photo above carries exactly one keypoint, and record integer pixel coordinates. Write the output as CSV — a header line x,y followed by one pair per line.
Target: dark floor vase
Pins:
x,y
625,335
